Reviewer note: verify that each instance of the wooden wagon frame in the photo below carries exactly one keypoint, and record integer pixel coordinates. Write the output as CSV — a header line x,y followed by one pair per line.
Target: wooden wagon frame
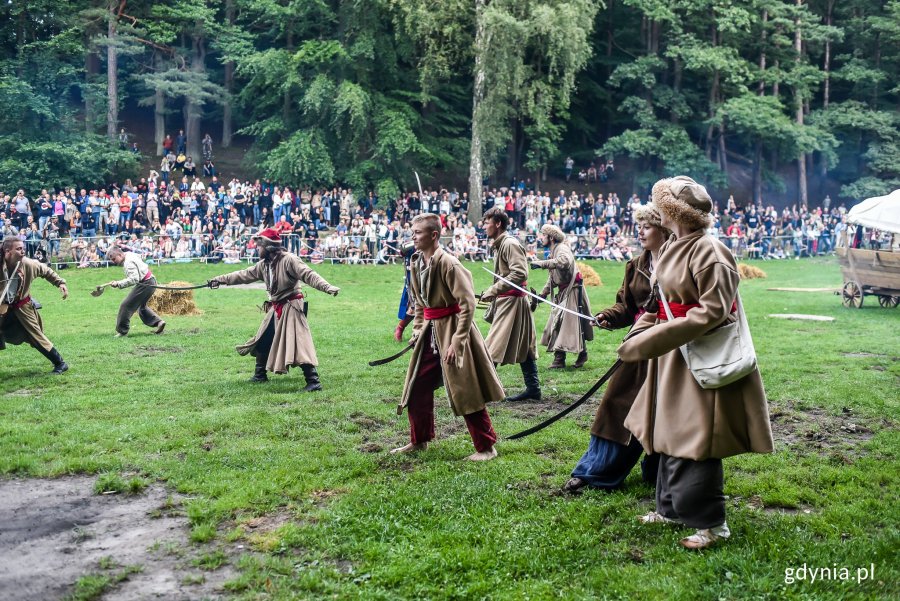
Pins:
x,y
872,272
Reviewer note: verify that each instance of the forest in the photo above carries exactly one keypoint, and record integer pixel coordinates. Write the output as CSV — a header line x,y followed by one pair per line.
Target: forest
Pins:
x,y
792,93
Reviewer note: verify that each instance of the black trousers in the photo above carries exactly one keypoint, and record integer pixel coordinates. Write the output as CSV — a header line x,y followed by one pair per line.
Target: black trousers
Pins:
x,y
691,491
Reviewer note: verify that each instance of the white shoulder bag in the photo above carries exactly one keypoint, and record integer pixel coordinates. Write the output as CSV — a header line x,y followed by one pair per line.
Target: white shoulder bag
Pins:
x,y
721,356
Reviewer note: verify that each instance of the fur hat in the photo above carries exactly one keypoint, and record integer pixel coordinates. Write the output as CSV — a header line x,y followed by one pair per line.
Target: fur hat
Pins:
x,y
554,232
684,201
648,213
268,237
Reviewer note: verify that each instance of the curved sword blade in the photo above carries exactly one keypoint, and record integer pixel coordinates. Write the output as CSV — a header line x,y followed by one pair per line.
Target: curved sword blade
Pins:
x,y
540,298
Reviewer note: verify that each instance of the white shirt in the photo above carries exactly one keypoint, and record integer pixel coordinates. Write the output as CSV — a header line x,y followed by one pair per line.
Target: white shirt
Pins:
x,y
135,270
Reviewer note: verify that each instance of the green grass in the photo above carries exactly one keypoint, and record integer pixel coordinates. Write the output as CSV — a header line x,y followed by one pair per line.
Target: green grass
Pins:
x,y
367,525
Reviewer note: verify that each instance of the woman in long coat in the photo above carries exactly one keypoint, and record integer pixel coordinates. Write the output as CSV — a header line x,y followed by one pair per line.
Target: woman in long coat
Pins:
x,y
692,428
613,451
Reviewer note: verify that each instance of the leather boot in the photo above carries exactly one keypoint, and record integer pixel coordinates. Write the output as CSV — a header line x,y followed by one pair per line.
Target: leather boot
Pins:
x,y
59,366
582,359
259,374
312,378
532,390
559,360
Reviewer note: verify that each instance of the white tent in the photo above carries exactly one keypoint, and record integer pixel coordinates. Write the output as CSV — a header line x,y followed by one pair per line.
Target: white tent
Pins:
x,y
881,212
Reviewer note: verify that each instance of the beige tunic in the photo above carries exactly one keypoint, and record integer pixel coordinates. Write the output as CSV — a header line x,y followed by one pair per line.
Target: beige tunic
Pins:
x,y
564,331
671,413
511,338
471,381
293,344
32,327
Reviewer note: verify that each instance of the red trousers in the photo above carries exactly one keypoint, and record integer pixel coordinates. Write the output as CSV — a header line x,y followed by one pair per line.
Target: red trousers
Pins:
x,y
421,406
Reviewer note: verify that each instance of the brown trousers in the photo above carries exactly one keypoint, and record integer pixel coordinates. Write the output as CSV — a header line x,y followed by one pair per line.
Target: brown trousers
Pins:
x,y
136,302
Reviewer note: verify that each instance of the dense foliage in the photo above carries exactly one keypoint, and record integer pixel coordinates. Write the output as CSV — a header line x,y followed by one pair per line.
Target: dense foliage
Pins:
x,y
365,91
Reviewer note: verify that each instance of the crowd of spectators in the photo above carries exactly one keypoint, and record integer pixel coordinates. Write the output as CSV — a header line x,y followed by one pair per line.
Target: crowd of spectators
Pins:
x,y
180,213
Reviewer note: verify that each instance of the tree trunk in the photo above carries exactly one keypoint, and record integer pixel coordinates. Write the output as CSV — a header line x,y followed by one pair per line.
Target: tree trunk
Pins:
x,y
713,94
286,99
761,88
826,92
193,107
112,73
91,69
511,149
801,160
757,172
476,166
159,110
227,127
610,38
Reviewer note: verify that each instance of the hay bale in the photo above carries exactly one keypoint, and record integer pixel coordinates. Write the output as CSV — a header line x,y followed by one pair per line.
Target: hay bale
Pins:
x,y
590,277
174,302
750,272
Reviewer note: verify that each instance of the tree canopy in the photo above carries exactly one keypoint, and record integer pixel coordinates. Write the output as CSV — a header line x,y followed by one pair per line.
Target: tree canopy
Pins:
x,y
364,92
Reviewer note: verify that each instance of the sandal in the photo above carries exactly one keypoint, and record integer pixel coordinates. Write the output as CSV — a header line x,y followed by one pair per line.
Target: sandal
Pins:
x,y
705,538
574,485
656,518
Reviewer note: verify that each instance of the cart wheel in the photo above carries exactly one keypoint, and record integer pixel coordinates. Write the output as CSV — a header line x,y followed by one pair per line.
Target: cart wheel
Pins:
x,y
887,301
852,295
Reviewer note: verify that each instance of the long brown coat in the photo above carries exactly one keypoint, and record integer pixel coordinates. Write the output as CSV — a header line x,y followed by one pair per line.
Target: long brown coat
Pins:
x,y
672,414
511,338
471,381
564,331
293,344
623,387
32,327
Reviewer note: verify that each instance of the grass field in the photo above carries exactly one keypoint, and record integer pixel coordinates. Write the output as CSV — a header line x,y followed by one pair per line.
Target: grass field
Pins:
x,y
359,523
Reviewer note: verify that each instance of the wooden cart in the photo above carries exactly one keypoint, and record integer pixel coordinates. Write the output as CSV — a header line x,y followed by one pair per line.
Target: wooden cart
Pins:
x,y
873,272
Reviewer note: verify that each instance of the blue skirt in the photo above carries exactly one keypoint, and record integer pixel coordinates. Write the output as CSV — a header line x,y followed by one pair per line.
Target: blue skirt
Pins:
x,y
606,464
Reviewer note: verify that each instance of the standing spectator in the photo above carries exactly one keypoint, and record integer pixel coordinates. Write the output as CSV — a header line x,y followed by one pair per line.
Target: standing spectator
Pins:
x,y
207,148
123,139
167,145
181,142
570,164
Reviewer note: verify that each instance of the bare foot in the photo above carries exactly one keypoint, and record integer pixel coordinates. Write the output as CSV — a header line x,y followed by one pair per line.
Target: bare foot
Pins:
x,y
485,456
410,448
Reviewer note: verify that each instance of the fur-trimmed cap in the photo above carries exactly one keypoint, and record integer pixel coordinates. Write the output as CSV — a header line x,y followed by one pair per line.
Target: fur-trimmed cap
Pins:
x,y
648,213
684,201
554,232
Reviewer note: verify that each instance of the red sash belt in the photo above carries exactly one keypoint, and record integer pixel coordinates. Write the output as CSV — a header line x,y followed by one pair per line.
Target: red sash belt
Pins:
x,y
441,312
578,280
21,303
514,292
148,276
679,310
279,305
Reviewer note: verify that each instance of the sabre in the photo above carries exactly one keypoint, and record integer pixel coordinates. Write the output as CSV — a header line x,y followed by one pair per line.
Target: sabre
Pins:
x,y
571,407
391,358
540,298
212,284
418,181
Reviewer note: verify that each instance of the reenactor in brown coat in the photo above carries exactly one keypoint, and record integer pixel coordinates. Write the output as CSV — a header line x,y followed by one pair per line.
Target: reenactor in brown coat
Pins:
x,y
19,320
564,333
511,338
283,339
692,428
448,348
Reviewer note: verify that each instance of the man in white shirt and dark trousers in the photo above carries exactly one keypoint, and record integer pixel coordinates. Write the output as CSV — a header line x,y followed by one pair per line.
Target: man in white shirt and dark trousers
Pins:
x,y
137,274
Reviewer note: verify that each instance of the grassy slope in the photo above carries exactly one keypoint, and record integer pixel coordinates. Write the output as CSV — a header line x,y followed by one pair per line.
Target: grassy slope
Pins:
x,y
369,525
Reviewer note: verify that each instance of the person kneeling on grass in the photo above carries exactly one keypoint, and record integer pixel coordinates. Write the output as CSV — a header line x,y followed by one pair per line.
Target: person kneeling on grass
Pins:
x,y
284,329
137,274
448,346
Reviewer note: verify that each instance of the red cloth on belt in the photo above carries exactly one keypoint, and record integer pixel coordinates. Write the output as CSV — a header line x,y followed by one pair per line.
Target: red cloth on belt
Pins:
x,y
514,292
148,276
578,279
441,312
279,305
679,310
21,303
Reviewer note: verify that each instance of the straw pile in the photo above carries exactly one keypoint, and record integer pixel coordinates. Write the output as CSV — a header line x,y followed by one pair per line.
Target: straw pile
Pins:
x,y
749,272
174,302
590,277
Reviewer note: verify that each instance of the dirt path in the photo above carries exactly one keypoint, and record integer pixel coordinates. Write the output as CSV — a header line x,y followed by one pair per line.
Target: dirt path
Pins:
x,y
53,532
